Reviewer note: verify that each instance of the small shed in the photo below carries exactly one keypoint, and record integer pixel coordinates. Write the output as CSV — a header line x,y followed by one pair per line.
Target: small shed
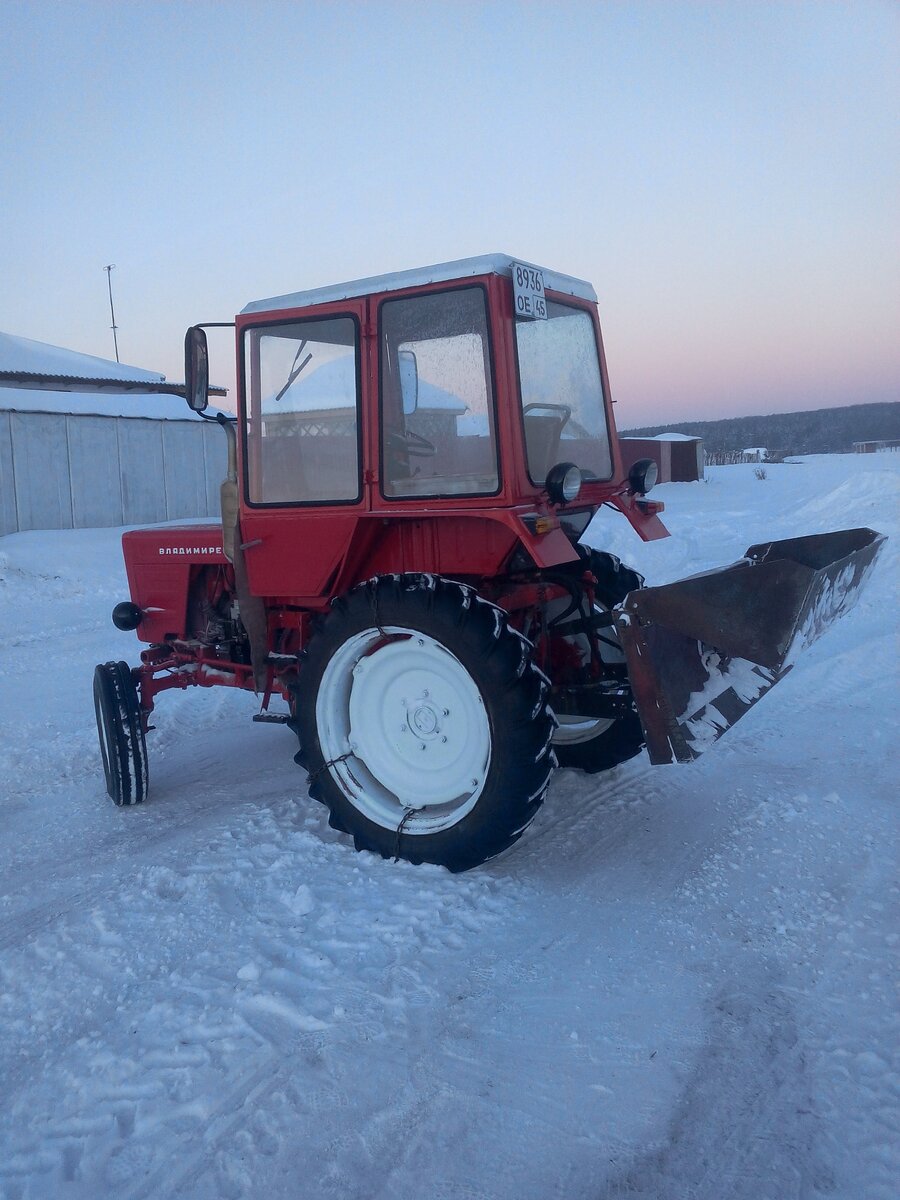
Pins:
x,y
85,442
679,456
755,454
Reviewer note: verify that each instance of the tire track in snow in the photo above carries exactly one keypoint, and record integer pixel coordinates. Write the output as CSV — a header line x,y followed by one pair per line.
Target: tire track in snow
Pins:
x,y
748,1123
26,923
277,1050
735,1131
228,1115
138,834
79,629
255,1089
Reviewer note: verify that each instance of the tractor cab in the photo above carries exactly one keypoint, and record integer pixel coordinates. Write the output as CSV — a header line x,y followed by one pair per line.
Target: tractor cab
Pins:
x,y
474,391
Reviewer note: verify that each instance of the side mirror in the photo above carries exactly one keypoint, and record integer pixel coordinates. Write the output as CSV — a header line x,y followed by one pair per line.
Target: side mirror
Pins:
x,y
409,381
196,369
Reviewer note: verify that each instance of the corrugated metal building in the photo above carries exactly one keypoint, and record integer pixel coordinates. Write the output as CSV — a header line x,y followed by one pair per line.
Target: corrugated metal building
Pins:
x,y
85,442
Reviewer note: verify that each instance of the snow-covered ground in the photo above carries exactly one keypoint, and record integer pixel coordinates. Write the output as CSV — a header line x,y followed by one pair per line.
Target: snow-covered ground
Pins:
x,y
679,983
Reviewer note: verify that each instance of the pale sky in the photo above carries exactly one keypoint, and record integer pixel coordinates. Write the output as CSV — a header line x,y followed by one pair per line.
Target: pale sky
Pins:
x,y
725,174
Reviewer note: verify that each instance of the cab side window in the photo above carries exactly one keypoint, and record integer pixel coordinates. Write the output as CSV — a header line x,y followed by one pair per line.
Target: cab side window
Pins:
x,y
303,412
437,402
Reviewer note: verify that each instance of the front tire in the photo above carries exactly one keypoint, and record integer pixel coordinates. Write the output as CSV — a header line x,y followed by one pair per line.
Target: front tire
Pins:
x,y
423,722
120,729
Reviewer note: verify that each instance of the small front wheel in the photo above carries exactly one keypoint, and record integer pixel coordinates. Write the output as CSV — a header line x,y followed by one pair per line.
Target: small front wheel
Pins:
x,y
423,723
120,728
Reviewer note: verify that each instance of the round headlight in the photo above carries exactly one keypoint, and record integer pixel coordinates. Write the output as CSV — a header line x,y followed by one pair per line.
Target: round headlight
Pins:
x,y
563,483
642,476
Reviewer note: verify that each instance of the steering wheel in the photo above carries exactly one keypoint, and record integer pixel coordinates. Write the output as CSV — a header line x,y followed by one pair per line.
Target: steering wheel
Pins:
x,y
410,443
563,409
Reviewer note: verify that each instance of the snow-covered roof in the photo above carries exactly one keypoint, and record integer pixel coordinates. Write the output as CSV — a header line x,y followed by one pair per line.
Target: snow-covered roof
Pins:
x,y
333,386
463,268
22,358
26,364
660,437
103,404
755,450
432,398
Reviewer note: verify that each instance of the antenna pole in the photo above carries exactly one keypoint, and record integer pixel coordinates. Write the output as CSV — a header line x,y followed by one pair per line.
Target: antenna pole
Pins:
x,y
112,312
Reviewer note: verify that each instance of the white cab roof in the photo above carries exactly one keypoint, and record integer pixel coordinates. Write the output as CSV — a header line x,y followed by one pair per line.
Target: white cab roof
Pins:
x,y
463,268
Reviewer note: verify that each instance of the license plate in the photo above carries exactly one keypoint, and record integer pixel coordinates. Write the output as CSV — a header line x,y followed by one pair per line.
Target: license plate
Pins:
x,y
528,292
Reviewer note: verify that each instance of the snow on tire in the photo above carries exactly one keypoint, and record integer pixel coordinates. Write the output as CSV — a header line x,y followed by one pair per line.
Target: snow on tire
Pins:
x,y
423,723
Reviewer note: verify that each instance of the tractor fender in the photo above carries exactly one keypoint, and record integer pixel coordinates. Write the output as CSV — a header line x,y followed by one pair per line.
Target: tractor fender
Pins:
x,y
474,543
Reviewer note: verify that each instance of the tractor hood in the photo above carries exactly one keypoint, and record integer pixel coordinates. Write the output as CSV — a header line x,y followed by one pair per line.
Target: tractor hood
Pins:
x,y
158,562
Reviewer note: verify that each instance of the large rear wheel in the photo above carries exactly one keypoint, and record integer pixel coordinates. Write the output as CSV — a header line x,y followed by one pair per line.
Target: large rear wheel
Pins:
x,y
594,744
423,722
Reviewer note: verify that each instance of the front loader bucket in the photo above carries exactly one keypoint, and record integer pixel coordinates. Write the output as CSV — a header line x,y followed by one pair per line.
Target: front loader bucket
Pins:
x,y
702,651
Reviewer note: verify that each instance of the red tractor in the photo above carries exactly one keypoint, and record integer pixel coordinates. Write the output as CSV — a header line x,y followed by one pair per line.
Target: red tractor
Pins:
x,y
414,460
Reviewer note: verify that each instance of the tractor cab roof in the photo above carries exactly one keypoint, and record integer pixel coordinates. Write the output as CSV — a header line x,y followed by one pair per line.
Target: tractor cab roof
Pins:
x,y
463,268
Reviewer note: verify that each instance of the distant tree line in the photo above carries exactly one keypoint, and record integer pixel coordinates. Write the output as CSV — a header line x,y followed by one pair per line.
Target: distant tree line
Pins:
x,y
822,431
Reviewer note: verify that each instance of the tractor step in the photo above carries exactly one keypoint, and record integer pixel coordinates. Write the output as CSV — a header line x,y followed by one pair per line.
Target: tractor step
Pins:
x,y
271,718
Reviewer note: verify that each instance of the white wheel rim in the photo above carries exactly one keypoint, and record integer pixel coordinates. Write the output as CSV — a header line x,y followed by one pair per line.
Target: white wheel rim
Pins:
x,y
573,730
409,726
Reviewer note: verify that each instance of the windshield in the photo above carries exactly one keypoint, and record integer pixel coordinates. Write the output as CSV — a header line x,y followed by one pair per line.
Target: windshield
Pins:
x,y
562,393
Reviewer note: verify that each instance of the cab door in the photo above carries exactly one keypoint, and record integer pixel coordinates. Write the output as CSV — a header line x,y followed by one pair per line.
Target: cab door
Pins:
x,y
301,407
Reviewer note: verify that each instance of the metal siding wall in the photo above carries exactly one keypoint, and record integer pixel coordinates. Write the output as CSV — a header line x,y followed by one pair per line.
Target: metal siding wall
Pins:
x,y
215,453
185,476
141,470
8,522
94,465
58,469
43,484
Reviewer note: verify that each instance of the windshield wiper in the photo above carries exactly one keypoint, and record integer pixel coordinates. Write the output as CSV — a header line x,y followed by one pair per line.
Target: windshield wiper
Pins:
x,y
295,370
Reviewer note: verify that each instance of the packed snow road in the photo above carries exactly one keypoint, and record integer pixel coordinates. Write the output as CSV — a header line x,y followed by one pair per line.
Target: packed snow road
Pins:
x,y
679,983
